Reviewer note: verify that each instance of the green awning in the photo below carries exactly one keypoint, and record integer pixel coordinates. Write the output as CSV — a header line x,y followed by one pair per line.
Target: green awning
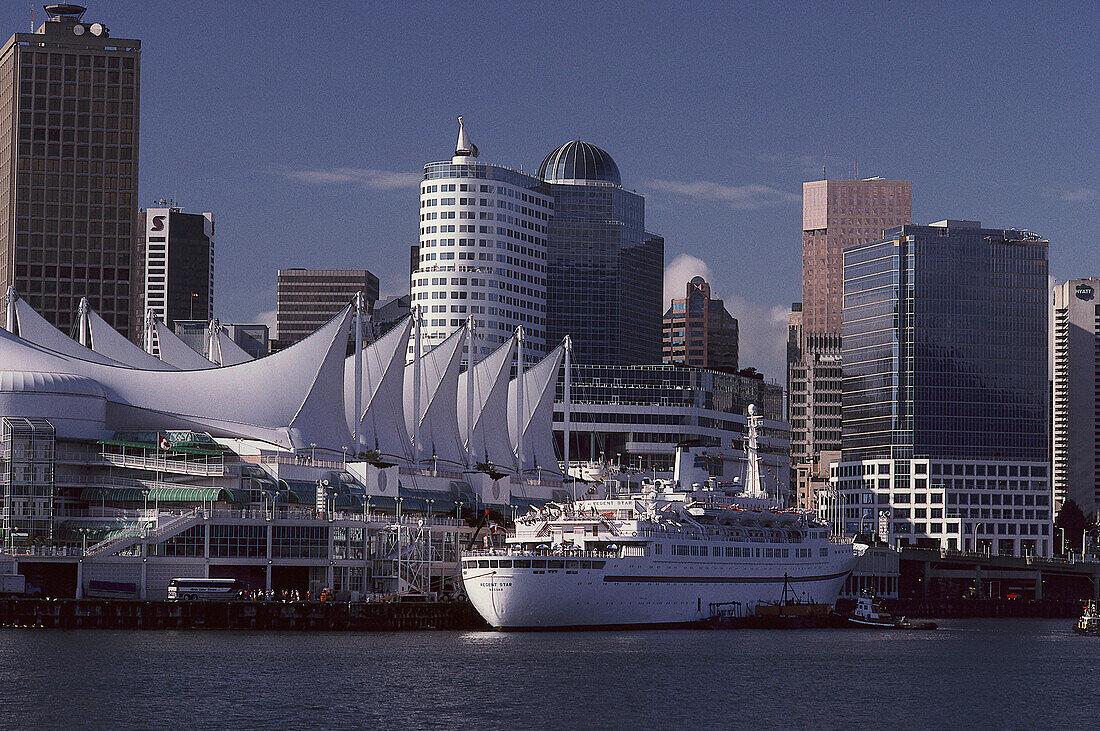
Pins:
x,y
112,494
182,494
198,495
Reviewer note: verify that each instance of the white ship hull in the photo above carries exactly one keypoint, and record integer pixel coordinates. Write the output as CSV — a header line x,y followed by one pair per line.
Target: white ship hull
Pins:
x,y
639,591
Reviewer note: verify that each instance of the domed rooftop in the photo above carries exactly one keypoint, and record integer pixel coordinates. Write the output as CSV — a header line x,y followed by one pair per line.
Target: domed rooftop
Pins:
x,y
579,162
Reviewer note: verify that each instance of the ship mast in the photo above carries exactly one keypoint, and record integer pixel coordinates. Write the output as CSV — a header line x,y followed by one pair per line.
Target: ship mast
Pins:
x,y
754,487
519,399
416,387
357,429
568,343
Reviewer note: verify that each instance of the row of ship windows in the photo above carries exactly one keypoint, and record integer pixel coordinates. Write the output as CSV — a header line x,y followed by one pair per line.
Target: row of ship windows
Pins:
x,y
482,563
738,551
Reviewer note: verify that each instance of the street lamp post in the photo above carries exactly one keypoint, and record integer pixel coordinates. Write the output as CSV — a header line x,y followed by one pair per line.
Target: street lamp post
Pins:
x,y
345,449
312,452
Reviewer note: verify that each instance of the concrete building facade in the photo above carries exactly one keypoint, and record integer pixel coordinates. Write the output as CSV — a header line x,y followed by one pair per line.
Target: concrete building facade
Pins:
x,y
69,112
698,331
1076,408
482,252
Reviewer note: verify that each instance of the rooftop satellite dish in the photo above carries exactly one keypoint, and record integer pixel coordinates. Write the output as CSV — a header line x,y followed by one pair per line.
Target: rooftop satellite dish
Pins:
x,y
96,29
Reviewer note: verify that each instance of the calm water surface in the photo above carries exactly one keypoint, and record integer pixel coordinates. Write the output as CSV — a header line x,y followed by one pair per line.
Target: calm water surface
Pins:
x,y
976,673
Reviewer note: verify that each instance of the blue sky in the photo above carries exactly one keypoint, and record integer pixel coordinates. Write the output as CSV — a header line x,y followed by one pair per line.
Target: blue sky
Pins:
x,y
304,125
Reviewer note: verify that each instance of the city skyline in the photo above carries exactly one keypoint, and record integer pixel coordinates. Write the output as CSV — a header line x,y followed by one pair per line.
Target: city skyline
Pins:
x,y
310,171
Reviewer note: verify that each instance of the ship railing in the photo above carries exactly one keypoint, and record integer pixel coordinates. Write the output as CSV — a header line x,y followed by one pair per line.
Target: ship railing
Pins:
x,y
551,553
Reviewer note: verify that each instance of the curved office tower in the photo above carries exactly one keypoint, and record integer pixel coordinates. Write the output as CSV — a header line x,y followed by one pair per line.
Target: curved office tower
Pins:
x,y
482,251
604,273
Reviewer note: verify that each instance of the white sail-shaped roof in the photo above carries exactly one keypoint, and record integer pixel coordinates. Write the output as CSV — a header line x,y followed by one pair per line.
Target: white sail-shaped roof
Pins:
x,y
175,352
439,370
537,423
291,399
230,352
107,341
382,421
488,440
38,330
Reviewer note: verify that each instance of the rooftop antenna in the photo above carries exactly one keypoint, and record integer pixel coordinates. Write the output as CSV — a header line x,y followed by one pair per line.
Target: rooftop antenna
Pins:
x,y
855,169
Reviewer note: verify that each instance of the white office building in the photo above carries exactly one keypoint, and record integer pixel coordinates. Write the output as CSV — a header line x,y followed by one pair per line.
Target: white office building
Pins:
x,y
1075,406
482,252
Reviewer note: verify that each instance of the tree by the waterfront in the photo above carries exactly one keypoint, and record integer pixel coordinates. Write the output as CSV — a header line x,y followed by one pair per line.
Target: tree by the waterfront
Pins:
x,y
1073,522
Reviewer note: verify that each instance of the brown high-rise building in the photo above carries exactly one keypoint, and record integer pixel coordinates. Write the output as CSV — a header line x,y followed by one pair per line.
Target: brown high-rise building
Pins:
x,y
68,168
698,331
836,214
308,298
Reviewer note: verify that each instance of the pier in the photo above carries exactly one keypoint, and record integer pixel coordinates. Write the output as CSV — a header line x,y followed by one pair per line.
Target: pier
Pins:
x,y
238,615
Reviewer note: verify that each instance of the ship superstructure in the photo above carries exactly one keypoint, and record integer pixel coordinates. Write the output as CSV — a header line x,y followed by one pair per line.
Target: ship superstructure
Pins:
x,y
660,556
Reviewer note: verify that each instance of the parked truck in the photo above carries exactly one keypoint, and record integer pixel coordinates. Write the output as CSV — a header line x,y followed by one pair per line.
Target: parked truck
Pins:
x,y
13,585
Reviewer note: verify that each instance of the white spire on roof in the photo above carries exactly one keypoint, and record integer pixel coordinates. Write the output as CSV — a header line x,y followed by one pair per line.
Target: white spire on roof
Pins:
x,y
464,148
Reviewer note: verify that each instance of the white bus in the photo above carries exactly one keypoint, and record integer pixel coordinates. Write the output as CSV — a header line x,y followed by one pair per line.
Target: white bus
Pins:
x,y
205,589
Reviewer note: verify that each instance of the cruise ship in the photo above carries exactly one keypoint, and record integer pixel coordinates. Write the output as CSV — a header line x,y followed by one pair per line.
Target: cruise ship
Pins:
x,y
673,554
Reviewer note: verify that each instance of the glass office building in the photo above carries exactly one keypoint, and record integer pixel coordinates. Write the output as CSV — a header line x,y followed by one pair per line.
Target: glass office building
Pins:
x,y
604,273
945,387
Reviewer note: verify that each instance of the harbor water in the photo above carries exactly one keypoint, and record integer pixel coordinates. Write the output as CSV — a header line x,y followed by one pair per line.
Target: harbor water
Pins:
x,y
970,673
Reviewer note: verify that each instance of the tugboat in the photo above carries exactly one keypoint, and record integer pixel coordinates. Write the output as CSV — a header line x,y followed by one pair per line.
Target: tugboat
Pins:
x,y
1089,622
869,613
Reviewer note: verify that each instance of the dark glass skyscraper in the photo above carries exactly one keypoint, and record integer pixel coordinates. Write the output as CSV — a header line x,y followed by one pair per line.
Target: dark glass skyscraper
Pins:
x,y
945,344
945,389
604,273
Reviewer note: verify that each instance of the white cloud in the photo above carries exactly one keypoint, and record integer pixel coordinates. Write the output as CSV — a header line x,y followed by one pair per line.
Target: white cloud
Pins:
x,y
1080,195
783,159
266,318
762,329
742,197
368,178
762,337
679,272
